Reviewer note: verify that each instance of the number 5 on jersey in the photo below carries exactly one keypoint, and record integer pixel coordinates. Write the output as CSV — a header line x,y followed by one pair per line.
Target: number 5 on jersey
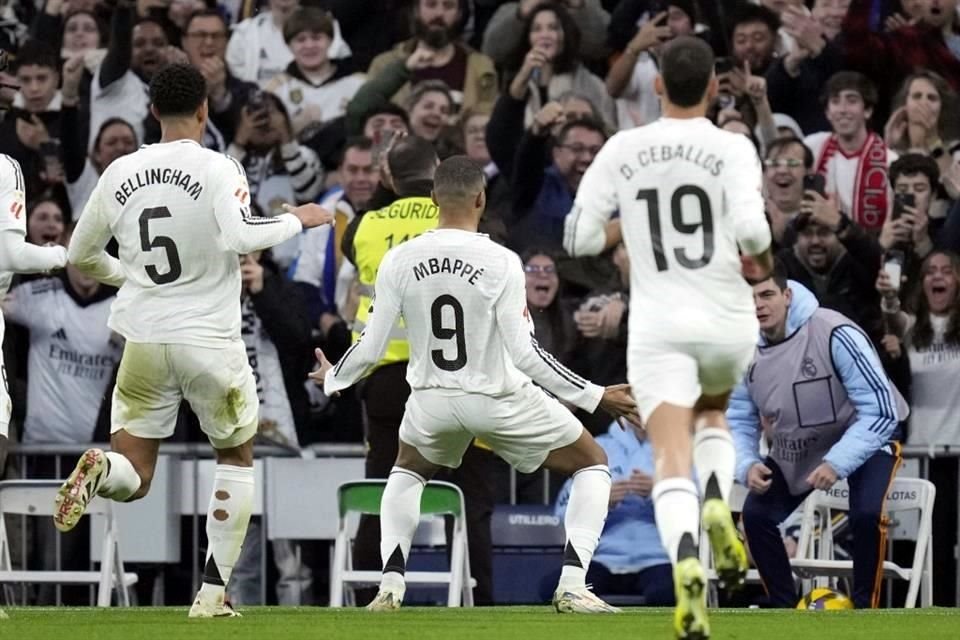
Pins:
x,y
159,242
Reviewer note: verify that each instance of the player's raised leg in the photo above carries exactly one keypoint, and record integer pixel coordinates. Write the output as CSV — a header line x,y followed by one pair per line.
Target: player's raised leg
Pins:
x,y
143,412
399,516
677,508
715,459
123,475
586,462
228,515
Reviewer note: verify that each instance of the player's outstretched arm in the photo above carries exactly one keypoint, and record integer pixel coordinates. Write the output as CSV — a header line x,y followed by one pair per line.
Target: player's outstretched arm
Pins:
x,y
15,254
586,229
20,256
618,402
90,237
743,188
358,360
530,357
241,231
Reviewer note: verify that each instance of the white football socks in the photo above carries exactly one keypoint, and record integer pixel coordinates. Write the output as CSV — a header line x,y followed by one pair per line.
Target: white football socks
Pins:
x,y
227,520
121,480
676,505
586,514
399,516
714,453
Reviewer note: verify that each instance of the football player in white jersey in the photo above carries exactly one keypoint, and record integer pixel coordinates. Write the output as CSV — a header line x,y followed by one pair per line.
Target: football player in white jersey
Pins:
x,y
472,357
181,216
16,255
689,197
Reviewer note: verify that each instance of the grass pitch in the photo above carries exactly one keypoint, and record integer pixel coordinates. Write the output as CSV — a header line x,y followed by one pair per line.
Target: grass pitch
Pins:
x,y
498,623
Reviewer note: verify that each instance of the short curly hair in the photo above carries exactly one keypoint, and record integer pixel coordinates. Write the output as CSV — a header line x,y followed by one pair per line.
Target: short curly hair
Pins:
x,y
177,90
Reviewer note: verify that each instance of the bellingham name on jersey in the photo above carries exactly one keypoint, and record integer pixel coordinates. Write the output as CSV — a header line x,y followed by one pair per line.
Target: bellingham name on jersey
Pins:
x,y
663,153
158,176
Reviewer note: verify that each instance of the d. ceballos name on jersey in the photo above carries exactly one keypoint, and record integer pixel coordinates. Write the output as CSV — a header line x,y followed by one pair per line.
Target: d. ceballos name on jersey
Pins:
x,y
666,153
93,366
158,176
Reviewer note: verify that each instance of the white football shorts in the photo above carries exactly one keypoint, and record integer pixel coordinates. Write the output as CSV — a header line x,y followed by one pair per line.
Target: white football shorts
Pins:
x,y
522,427
217,382
678,373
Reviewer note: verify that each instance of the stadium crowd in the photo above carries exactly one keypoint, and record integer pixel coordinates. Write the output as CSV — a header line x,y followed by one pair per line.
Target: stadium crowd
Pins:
x,y
851,105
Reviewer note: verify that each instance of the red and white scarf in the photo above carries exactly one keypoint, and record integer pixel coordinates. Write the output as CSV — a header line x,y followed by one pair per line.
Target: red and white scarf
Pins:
x,y
869,205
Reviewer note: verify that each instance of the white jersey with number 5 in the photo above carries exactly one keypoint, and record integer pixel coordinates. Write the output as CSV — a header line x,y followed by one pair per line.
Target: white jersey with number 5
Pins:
x,y
689,195
180,214
463,299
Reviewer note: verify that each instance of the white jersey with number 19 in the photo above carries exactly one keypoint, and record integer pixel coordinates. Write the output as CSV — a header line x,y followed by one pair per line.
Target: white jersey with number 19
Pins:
x,y
181,215
688,194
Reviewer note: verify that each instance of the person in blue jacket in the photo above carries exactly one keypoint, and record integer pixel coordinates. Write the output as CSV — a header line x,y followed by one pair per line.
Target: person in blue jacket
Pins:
x,y
630,558
830,412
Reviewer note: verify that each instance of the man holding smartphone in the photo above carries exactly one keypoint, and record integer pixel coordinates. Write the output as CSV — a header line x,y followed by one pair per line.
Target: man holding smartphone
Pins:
x,y
835,259
913,178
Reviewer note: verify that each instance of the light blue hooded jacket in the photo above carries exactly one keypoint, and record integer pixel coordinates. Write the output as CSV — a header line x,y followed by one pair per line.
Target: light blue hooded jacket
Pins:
x,y
629,542
866,384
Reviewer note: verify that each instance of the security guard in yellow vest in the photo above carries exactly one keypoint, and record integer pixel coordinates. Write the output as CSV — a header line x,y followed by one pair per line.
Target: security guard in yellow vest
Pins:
x,y
411,163
378,232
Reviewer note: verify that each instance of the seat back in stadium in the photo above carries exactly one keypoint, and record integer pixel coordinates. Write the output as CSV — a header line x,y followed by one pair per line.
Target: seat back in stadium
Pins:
x,y
36,498
439,498
815,547
527,553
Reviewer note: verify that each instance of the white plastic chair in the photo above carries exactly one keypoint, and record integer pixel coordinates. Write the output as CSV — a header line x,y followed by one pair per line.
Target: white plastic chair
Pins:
x,y
815,556
439,498
36,498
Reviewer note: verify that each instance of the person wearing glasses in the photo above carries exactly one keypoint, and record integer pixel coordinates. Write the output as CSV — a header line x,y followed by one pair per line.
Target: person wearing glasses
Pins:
x,y
543,193
785,165
836,259
205,43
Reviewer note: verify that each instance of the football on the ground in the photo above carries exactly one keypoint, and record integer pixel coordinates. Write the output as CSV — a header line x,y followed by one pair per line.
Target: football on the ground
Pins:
x,y
822,598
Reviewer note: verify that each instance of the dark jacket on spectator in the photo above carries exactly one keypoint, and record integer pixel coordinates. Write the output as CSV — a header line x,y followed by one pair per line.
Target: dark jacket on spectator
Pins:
x,y
888,58
541,197
281,309
800,97
850,285
504,128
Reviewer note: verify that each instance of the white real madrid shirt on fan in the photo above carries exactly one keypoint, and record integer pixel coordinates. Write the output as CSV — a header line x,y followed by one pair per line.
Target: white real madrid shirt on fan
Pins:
x,y
689,197
16,256
71,359
463,299
181,215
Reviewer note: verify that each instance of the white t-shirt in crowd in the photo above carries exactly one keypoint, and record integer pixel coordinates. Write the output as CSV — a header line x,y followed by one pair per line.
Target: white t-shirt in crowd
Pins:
x,y
71,359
